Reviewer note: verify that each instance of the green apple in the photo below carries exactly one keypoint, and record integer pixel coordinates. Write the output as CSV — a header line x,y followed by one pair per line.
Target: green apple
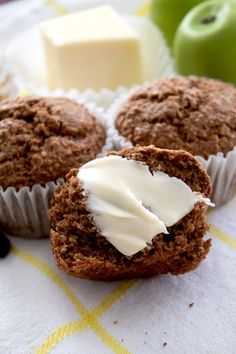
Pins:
x,y
167,15
205,42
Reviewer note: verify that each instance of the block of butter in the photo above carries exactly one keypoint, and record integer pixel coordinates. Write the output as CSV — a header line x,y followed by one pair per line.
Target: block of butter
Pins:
x,y
94,48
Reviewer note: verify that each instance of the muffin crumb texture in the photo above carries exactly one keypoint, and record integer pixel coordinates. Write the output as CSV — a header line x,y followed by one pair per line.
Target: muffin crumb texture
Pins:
x,y
81,250
188,113
42,138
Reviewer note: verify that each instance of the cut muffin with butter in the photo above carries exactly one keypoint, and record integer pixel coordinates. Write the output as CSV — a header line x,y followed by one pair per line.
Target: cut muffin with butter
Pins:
x,y
135,213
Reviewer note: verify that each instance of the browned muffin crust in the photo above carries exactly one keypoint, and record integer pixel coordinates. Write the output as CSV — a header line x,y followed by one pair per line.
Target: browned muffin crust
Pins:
x,y
188,113
81,250
42,138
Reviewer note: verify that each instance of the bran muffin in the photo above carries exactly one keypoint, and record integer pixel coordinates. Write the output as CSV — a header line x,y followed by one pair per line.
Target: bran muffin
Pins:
x,y
189,113
40,140
82,251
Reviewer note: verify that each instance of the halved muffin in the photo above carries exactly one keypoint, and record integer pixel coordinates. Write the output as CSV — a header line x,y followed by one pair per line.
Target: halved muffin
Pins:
x,y
81,250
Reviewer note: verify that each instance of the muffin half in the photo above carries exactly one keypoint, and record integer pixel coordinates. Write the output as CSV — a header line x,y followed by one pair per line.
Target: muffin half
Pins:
x,y
81,249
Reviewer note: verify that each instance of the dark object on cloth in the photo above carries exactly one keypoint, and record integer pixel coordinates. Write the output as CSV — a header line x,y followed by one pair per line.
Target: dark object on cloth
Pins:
x,y
5,245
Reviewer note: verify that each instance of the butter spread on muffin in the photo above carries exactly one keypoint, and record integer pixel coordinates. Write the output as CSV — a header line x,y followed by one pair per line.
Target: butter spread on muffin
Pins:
x,y
120,194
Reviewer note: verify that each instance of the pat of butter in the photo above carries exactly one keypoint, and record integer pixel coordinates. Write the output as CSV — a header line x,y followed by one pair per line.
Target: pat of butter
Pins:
x,y
130,205
94,48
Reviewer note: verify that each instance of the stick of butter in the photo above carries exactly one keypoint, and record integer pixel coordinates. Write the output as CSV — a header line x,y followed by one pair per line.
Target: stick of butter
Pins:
x,y
94,48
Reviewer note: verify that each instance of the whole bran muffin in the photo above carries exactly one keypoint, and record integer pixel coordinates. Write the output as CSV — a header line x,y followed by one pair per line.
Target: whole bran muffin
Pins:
x,y
188,113
81,250
42,138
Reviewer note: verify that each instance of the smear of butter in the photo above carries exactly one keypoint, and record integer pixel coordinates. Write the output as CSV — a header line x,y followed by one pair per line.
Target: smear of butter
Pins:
x,y
130,205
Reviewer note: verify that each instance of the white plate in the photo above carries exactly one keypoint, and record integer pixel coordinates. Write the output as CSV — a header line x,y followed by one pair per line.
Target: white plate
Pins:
x,y
25,53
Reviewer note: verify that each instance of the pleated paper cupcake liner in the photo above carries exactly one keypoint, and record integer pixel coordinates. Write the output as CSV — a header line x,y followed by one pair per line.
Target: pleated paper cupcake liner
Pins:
x,y
222,171
119,141
24,213
8,87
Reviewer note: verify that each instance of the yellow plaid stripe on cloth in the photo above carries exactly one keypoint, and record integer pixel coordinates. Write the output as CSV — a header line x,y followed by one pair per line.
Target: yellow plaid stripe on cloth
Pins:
x,y
89,318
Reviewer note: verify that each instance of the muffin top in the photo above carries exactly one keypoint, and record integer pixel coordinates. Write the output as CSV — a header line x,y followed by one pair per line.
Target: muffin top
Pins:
x,y
42,138
193,114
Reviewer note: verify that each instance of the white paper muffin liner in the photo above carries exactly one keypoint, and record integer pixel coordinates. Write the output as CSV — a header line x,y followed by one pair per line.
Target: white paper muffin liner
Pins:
x,y
23,213
156,57
8,86
220,168
222,171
